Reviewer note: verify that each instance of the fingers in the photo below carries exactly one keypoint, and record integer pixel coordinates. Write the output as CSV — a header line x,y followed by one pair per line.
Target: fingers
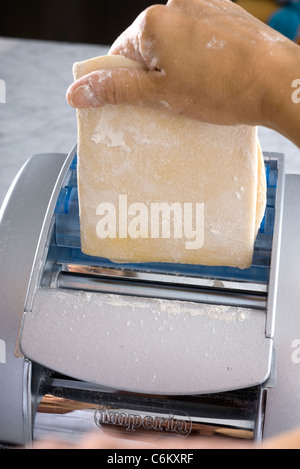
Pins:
x,y
200,9
136,86
50,443
142,41
115,86
128,43
186,48
138,42
289,440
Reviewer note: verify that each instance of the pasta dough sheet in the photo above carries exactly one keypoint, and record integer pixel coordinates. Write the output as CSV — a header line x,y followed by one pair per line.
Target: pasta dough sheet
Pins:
x,y
154,187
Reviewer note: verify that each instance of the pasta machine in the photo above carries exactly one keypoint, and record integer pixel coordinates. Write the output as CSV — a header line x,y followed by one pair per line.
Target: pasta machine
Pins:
x,y
148,349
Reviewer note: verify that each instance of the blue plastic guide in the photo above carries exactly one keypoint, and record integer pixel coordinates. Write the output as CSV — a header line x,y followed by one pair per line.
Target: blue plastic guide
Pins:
x,y
65,245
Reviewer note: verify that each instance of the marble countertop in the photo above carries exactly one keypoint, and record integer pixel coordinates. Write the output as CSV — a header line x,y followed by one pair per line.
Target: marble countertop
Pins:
x,y
36,117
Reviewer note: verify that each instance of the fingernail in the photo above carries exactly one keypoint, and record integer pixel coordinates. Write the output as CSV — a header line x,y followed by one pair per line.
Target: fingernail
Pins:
x,y
82,96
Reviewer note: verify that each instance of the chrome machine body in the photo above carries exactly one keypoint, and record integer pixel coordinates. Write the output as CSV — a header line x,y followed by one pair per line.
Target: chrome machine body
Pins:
x,y
161,349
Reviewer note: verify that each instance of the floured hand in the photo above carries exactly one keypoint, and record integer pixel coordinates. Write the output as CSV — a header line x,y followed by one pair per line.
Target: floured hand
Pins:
x,y
208,60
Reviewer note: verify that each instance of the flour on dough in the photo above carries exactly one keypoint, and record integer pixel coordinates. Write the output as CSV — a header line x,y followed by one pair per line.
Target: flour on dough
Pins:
x,y
154,157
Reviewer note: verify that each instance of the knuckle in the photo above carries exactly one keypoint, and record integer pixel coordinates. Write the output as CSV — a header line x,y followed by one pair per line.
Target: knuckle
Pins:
x,y
152,23
174,3
119,88
155,10
113,92
153,13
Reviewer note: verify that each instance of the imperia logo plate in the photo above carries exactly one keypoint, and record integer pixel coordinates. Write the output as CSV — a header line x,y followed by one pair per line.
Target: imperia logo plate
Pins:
x,y
180,425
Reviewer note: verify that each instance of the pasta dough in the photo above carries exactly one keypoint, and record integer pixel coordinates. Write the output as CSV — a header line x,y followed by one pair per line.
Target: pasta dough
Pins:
x,y
155,187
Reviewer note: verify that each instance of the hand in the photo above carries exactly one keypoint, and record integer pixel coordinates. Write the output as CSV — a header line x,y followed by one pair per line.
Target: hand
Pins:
x,y
208,60
289,440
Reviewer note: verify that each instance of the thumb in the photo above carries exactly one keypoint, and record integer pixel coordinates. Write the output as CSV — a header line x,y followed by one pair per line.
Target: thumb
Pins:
x,y
115,86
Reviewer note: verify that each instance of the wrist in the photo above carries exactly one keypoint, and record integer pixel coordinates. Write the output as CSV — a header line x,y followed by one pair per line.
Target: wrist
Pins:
x,y
280,108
